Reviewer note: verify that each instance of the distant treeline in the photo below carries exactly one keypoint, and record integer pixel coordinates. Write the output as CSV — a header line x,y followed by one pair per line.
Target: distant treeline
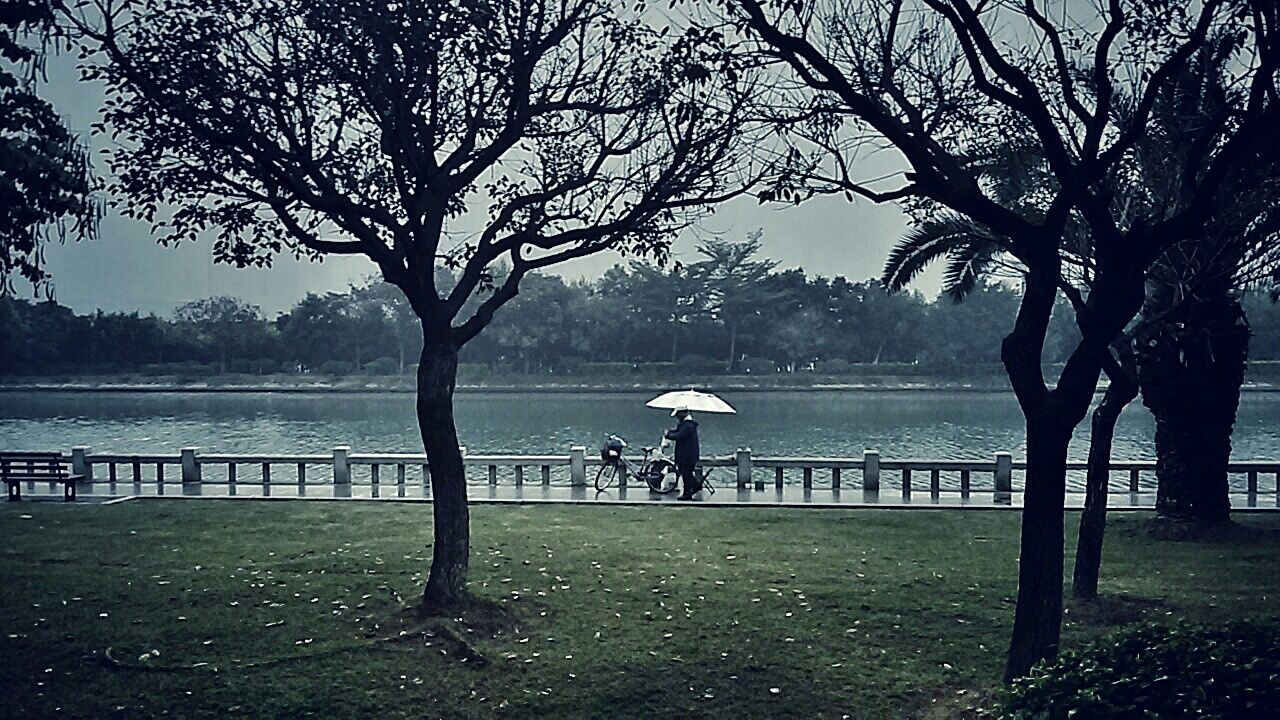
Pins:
x,y
722,315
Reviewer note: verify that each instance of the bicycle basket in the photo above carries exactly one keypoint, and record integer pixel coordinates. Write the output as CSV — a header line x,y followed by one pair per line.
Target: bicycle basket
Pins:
x,y
612,450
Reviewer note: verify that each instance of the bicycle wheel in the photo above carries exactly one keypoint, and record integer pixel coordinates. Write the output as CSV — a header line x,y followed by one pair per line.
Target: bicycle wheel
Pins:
x,y
657,477
605,476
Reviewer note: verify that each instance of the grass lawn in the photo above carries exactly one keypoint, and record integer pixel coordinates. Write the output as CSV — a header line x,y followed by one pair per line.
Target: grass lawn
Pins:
x,y
591,612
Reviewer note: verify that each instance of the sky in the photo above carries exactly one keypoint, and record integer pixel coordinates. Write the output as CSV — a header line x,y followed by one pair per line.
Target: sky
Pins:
x,y
125,269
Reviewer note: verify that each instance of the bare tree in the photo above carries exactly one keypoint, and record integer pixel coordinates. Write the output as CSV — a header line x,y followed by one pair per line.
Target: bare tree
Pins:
x,y
512,133
937,80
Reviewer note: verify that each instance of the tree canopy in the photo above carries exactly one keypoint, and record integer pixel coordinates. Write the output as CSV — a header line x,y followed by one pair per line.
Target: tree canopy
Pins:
x,y
45,185
941,81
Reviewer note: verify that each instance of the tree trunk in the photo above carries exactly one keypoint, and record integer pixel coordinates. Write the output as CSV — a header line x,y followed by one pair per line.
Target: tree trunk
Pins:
x,y
1190,371
733,347
437,375
1051,417
1093,521
1037,621
675,340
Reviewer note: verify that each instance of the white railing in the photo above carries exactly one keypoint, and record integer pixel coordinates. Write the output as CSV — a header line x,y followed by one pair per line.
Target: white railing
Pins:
x,y
405,474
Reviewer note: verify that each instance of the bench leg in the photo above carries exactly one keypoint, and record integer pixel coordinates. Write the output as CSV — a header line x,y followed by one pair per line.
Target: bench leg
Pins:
x,y
69,492
15,491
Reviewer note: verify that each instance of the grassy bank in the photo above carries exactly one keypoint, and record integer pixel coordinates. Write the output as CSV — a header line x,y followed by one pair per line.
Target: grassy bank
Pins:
x,y
1261,376
316,382
586,612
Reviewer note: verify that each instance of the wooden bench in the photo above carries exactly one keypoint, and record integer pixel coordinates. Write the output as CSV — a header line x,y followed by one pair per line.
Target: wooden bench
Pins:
x,y
19,467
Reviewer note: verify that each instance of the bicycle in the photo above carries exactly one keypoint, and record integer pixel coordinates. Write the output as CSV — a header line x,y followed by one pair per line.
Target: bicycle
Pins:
x,y
659,473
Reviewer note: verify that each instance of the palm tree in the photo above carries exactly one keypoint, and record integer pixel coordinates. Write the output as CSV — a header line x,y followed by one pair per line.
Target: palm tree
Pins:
x,y
1192,300
1193,336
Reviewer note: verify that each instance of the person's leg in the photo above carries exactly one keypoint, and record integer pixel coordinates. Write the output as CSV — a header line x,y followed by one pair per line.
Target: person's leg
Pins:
x,y
689,484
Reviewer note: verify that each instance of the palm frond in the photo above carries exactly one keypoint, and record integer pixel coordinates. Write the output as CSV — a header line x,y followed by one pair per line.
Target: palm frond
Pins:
x,y
966,266
925,244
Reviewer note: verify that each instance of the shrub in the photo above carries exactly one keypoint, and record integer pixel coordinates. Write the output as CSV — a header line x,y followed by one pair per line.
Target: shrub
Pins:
x,y
835,366
239,366
757,366
382,366
605,369
699,364
336,367
263,366
467,372
289,366
1153,671
191,368
568,365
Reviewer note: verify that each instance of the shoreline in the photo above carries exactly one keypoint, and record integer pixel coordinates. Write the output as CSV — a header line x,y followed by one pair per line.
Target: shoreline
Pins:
x,y
539,388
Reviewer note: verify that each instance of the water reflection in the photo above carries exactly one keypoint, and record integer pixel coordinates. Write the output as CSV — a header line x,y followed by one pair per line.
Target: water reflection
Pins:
x,y
900,425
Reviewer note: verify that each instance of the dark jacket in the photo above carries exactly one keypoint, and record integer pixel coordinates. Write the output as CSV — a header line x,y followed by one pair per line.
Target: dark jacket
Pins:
x,y
686,436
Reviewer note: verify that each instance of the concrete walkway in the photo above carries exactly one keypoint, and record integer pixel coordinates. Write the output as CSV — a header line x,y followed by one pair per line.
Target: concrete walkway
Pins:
x,y
789,496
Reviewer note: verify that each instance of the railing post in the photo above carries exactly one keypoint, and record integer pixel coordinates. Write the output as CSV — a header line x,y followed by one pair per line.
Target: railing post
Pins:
x,y
341,471
871,471
578,465
190,472
79,466
744,468
1003,476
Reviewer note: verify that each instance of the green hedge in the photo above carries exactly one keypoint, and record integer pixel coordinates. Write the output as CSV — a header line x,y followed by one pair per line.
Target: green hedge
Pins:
x,y
382,366
336,367
700,364
1154,671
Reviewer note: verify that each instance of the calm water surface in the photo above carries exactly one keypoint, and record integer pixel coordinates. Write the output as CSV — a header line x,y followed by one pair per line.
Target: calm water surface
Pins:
x,y
899,424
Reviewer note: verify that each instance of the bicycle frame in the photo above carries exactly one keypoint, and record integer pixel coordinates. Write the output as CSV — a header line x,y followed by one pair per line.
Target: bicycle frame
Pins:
x,y
653,468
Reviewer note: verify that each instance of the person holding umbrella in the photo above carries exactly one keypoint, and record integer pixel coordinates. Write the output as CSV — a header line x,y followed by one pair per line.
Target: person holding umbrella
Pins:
x,y
685,435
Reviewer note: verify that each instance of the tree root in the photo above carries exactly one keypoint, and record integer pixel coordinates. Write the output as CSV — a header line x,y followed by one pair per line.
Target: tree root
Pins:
x,y
462,648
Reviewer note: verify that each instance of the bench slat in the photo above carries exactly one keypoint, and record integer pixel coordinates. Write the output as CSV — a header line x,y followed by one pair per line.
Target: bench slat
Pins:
x,y
34,467
18,467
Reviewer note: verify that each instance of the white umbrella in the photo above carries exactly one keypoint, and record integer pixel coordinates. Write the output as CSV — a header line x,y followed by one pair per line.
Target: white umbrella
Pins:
x,y
691,400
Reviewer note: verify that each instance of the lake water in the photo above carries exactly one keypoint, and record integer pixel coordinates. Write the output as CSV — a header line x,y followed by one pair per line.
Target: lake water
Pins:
x,y
914,424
